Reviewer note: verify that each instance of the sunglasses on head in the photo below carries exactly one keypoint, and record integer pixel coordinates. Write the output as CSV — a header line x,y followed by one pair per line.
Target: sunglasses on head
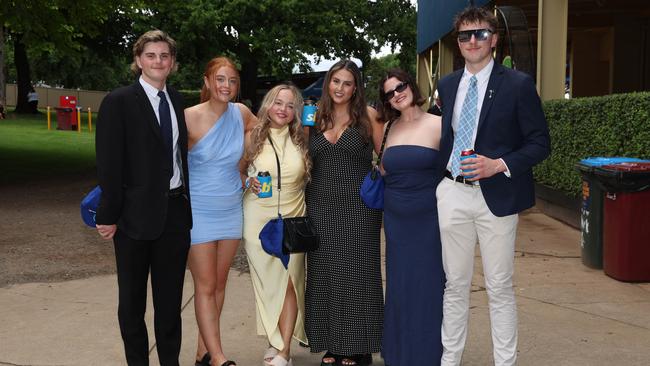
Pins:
x,y
479,35
398,89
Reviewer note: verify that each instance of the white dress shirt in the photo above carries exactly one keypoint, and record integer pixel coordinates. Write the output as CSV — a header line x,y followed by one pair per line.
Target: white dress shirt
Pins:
x,y
482,79
152,94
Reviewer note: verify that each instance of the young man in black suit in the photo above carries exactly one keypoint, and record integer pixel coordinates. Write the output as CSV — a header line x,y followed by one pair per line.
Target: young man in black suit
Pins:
x,y
496,112
141,147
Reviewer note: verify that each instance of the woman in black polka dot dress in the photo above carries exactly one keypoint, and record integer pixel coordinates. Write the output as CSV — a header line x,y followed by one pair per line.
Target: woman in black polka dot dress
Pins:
x,y
344,297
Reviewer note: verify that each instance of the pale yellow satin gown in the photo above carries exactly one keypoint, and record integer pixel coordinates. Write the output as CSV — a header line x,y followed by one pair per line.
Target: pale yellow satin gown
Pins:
x,y
269,277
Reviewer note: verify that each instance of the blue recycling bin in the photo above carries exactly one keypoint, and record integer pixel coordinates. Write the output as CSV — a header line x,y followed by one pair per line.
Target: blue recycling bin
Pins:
x,y
591,211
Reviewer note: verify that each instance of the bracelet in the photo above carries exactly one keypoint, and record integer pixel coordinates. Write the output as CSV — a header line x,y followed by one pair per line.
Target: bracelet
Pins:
x,y
247,183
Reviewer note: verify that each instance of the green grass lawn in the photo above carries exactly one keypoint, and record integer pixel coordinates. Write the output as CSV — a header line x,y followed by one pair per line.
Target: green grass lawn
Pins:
x,y
29,152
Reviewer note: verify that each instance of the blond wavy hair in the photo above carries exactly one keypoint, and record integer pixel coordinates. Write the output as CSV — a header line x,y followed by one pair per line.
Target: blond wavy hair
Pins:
x,y
260,134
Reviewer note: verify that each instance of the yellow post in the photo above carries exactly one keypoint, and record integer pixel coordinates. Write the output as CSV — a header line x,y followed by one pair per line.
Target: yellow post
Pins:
x,y
49,119
78,119
90,120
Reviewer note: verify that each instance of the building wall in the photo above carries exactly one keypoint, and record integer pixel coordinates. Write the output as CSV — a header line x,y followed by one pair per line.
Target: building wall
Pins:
x,y
50,97
592,53
631,71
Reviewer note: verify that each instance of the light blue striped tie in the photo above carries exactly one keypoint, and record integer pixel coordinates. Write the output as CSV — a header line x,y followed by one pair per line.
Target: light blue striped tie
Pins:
x,y
466,124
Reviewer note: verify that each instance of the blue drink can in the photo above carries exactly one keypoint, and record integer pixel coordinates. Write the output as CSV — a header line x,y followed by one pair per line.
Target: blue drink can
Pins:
x,y
465,154
265,181
308,114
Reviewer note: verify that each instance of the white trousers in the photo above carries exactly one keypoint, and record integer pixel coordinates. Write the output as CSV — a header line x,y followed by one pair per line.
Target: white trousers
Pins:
x,y
465,219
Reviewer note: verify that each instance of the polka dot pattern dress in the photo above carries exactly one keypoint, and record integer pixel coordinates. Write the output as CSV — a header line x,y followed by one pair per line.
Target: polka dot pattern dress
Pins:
x,y
344,303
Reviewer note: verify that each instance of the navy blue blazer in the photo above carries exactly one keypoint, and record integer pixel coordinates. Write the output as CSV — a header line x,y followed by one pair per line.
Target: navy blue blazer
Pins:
x,y
131,166
511,126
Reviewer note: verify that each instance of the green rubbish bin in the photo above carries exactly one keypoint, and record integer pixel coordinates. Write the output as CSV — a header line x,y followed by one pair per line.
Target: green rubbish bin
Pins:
x,y
591,210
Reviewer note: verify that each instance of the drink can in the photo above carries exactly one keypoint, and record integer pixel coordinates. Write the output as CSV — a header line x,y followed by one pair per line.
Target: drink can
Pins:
x,y
465,154
265,181
308,114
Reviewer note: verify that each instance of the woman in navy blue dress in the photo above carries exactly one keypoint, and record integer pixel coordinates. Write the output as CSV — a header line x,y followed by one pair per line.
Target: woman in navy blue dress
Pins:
x,y
414,273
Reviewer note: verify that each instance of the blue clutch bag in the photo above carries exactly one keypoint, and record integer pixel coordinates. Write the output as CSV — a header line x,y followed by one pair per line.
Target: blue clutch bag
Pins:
x,y
89,206
372,189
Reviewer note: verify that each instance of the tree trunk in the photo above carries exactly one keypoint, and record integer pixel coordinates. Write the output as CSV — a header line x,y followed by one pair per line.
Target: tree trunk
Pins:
x,y
248,77
23,75
3,80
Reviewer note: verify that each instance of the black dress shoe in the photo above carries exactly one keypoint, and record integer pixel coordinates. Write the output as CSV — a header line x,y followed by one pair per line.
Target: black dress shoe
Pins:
x,y
205,361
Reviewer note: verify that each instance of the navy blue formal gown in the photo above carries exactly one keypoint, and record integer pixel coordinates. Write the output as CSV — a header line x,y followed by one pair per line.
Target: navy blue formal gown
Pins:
x,y
414,274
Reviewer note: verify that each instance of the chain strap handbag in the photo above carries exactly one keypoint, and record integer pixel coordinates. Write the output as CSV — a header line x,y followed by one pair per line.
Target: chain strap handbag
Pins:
x,y
298,233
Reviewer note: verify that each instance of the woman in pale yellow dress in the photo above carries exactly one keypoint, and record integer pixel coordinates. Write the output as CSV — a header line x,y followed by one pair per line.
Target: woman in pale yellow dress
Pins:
x,y
279,291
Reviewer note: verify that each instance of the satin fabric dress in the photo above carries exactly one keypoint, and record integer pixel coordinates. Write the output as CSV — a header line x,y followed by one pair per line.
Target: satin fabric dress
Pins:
x,y
215,184
269,277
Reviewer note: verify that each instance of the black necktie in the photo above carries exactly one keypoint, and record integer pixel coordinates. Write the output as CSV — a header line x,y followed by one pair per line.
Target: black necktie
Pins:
x,y
166,128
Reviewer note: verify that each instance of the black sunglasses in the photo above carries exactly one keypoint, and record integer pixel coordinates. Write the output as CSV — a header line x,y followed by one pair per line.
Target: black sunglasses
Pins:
x,y
398,89
479,35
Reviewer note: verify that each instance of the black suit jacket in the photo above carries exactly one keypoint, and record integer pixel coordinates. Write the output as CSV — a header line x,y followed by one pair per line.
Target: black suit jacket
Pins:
x,y
131,166
511,126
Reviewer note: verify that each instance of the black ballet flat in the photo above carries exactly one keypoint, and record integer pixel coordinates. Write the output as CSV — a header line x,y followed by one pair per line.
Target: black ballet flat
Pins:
x,y
229,363
205,361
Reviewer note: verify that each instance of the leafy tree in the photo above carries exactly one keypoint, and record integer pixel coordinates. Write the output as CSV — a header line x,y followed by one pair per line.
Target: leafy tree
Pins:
x,y
87,44
273,36
375,72
50,27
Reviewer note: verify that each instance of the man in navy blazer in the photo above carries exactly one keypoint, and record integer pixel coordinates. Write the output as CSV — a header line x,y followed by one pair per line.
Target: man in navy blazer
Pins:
x,y
496,112
141,147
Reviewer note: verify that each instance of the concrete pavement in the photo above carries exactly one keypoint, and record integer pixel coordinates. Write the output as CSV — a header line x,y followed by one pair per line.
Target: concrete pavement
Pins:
x,y
568,314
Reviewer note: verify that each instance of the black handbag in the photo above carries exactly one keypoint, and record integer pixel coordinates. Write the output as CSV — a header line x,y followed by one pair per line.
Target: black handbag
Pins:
x,y
299,233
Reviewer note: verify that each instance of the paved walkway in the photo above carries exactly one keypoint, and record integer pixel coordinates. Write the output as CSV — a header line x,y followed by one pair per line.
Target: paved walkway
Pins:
x,y
568,314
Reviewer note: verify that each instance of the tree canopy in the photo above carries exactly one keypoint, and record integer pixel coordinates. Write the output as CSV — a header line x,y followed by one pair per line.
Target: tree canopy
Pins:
x,y
54,29
87,44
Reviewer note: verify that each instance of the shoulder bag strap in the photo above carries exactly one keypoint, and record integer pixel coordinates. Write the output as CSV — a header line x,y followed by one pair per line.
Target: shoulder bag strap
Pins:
x,y
383,142
277,160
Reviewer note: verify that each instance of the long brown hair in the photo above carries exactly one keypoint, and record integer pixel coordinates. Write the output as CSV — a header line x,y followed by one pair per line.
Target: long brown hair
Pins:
x,y
260,133
213,66
357,107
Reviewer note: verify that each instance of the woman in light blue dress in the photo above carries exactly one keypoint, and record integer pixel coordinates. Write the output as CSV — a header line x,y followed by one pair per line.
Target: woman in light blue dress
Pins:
x,y
216,129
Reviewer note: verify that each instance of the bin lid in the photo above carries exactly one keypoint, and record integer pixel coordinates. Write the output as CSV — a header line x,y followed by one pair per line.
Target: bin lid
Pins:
x,y
624,177
606,160
589,164
629,167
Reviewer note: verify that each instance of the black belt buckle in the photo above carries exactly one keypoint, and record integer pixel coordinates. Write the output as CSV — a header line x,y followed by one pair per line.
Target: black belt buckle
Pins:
x,y
459,178
176,192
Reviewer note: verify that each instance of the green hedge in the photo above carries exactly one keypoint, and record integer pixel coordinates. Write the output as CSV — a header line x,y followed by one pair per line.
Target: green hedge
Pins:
x,y
611,125
191,97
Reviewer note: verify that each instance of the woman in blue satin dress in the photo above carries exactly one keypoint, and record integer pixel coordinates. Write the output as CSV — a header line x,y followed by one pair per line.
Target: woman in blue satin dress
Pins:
x,y
216,129
414,273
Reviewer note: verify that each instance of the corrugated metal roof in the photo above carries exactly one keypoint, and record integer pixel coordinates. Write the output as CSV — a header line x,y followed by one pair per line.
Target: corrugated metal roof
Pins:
x,y
435,19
